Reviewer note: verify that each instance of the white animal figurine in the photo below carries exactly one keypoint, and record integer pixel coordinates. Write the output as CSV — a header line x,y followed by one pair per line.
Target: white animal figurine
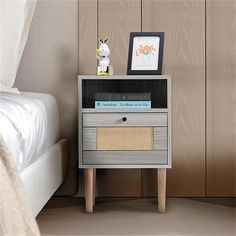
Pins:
x,y
102,54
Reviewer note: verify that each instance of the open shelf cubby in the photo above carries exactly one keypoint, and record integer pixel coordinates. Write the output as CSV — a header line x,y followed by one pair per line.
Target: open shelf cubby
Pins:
x,y
157,88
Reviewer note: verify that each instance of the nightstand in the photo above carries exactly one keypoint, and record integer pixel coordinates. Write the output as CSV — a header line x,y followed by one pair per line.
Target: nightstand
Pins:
x,y
127,137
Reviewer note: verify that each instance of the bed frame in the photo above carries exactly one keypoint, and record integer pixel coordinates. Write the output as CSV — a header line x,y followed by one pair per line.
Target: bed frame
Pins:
x,y
43,177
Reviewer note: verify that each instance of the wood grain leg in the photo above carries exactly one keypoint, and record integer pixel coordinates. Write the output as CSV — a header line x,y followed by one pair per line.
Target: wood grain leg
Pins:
x,y
88,183
161,190
94,186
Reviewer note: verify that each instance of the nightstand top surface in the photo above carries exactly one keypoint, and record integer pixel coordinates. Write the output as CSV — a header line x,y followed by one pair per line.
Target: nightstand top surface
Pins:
x,y
125,77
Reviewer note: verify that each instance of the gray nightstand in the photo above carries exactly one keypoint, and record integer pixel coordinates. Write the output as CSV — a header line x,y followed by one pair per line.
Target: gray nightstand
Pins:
x,y
124,138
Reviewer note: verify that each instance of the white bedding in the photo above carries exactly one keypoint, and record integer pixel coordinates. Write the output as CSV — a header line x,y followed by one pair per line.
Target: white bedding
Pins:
x,y
29,124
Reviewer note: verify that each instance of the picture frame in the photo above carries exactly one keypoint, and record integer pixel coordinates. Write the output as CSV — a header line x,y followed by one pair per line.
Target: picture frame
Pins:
x,y
145,53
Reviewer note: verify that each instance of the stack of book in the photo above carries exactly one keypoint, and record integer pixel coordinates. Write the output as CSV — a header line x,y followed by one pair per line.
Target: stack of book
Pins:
x,y
123,100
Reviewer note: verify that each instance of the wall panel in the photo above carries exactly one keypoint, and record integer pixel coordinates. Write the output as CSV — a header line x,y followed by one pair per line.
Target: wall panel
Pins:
x,y
117,18
87,47
221,98
49,64
183,22
87,36
186,24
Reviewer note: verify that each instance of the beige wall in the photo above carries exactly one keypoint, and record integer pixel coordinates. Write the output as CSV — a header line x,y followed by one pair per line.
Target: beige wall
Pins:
x,y
50,64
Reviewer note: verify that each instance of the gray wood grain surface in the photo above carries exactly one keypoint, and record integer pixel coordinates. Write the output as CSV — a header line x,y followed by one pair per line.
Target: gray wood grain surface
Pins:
x,y
133,119
125,157
89,138
160,138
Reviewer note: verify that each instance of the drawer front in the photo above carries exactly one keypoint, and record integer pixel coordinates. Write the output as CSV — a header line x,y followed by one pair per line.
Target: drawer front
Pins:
x,y
124,119
125,158
125,138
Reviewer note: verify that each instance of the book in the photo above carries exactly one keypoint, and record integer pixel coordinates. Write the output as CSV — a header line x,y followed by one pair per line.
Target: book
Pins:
x,y
123,97
122,104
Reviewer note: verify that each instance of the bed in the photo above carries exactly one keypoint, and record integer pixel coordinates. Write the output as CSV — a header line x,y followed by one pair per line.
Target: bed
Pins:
x,y
30,127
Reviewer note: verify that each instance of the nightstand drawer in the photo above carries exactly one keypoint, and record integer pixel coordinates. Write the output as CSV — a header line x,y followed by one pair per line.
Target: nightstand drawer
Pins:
x,y
124,119
125,158
125,138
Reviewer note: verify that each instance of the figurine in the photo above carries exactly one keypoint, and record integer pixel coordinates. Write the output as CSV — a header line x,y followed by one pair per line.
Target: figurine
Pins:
x,y
102,55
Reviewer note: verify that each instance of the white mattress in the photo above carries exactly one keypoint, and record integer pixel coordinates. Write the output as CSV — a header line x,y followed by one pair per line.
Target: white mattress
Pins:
x,y
29,124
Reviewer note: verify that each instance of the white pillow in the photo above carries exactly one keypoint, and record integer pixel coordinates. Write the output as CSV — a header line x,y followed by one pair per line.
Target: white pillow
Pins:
x,y
15,20
4,88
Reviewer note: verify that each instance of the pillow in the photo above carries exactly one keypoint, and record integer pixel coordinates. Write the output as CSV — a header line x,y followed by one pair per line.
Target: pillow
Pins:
x,y
4,88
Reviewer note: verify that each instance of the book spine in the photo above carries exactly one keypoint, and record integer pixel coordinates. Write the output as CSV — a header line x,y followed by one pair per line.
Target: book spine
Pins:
x,y
123,104
123,96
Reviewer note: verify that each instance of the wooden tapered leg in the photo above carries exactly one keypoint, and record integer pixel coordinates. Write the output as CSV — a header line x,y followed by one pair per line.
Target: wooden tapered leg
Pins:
x,y
161,190
94,186
88,183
